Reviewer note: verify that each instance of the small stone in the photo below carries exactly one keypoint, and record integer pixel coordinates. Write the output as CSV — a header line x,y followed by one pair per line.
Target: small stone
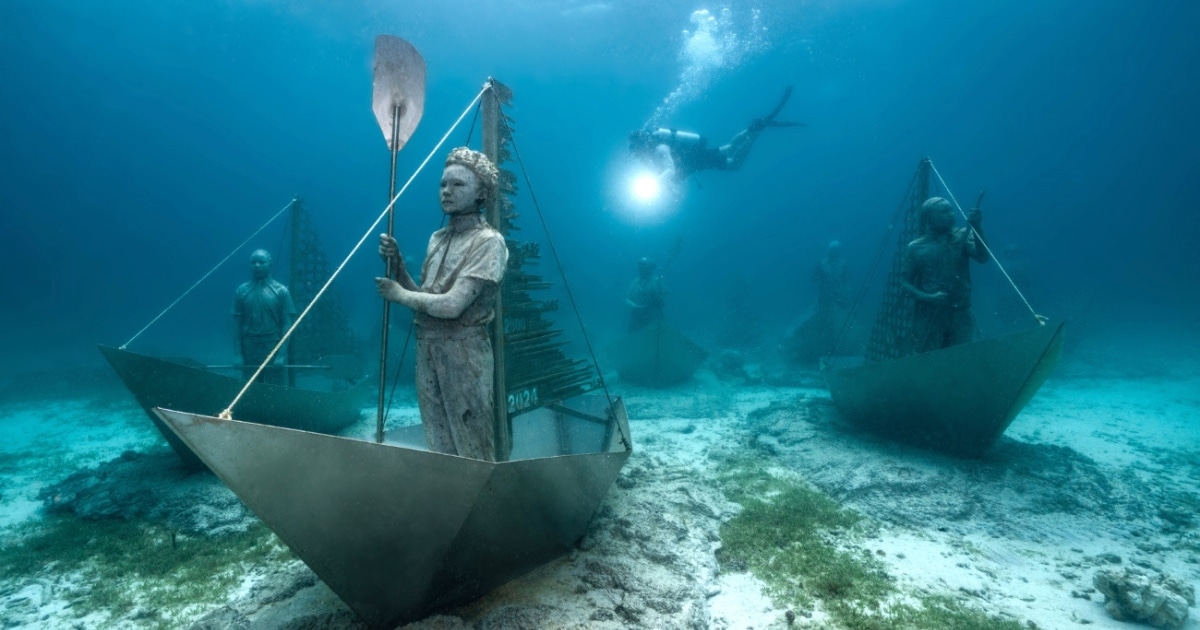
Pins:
x,y
1133,595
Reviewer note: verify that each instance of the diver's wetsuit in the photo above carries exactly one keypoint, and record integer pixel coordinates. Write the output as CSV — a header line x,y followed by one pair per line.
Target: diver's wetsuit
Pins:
x,y
690,151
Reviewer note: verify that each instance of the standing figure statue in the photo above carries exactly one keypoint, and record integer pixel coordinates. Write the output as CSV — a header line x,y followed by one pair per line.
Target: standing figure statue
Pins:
x,y
937,273
262,313
646,296
464,266
816,335
831,309
830,278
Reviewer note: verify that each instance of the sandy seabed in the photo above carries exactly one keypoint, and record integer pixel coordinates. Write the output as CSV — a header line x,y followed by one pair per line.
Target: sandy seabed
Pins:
x,y
1100,469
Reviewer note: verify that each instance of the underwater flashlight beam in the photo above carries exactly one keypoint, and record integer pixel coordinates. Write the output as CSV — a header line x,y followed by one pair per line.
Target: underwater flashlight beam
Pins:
x,y
645,187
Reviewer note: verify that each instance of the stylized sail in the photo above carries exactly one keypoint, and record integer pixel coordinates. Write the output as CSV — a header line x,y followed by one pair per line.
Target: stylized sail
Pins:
x,y
537,371
325,333
891,336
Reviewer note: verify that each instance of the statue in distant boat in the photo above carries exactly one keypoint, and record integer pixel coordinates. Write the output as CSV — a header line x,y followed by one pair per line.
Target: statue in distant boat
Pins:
x,y
464,266
830,277
817,333
646,296
653,354
937,274
262,311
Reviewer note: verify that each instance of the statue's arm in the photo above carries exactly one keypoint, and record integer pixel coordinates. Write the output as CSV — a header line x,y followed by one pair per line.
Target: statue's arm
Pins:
x,y
909,280
448,305
979,250
390,252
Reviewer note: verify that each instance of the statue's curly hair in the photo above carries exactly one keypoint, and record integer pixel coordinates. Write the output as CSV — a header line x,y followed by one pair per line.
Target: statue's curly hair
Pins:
x,y
931,204
478,163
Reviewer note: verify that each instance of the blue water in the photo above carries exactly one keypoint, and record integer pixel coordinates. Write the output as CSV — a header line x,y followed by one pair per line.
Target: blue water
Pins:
x,y
146,139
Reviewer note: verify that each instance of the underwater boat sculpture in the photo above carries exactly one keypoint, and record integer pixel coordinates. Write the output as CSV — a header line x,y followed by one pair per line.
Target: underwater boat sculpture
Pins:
x,y
957,400
331,394
399,532
656,356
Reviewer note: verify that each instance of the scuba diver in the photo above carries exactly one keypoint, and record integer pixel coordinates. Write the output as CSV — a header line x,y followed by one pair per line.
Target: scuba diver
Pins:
x,y
679,154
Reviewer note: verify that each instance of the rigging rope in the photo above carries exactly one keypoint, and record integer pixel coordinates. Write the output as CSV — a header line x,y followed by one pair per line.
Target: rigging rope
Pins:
x,y
227,413
557,262
210,272
471,129
1041,319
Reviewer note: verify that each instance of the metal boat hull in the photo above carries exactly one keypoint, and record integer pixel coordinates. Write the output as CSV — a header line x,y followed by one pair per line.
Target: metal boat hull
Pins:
x,y
656,356
156,382
957,400
399,532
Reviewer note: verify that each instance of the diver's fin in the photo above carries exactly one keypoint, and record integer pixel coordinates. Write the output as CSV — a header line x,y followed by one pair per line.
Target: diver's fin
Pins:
x,y
787,94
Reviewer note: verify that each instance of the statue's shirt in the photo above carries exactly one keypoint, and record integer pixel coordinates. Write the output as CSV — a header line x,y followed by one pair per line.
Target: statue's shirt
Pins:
x,y
263,308
479,253
943,264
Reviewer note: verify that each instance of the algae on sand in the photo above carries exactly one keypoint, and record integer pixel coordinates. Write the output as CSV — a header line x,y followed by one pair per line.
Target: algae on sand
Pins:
x,y
125,566
803,546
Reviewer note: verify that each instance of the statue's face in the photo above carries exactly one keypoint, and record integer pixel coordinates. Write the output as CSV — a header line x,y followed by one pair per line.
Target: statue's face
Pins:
x,y
940,218
461,190
260,265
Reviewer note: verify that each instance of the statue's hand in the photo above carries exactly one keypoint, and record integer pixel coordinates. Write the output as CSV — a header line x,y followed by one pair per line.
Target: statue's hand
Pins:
x,y
389,249
388,289
975,217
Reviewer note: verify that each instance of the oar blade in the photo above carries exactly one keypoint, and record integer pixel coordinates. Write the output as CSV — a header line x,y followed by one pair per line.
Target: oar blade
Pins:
x,y
399,82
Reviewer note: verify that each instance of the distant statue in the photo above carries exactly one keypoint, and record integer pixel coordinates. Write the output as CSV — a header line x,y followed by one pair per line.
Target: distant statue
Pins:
x,y
676,155
817,333
830,278
646,296
262,312
937,273
464,266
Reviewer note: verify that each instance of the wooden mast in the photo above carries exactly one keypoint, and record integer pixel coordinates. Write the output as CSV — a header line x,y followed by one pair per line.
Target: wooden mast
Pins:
x,y
493,98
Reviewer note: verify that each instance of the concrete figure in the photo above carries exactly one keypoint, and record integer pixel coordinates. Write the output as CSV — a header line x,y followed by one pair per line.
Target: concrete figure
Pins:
x,y
937,274
262,313
646,296
816,335
830,278
464,265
